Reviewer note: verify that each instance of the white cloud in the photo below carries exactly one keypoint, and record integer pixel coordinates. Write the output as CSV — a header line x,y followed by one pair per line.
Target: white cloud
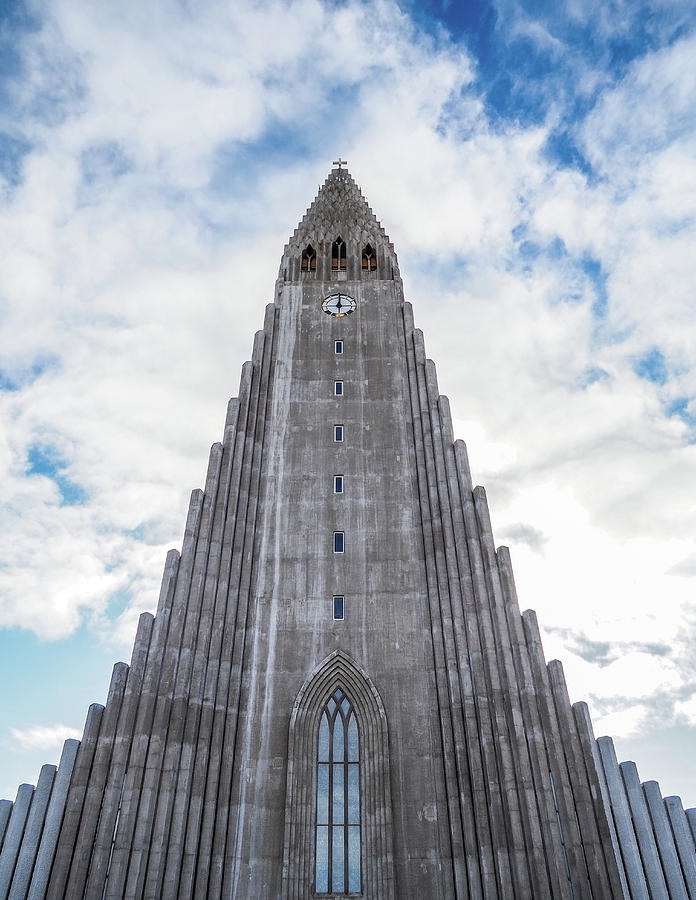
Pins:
x,y
141,245
43,737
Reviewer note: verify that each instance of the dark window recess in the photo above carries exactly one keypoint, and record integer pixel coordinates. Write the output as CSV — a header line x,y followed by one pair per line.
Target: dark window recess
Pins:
x,y
338,484
338,347
338,388
338,432
369,259
338,254
339,607
309,259
339,542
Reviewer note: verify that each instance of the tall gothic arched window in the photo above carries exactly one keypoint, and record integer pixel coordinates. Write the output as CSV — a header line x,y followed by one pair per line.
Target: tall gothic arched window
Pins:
x,y
337,866
369,259
309,259
338,254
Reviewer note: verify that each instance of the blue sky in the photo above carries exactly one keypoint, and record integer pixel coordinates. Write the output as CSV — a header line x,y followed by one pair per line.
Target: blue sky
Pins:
x,y
534,166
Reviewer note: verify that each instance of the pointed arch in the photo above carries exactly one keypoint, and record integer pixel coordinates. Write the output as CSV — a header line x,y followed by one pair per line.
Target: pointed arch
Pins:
x,y
309,259
338,255
369,258
338,672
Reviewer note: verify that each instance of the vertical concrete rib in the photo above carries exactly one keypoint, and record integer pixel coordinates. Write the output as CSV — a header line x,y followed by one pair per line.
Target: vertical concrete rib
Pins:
x,y
32,834
185,691
644,831
163,702
227,850
57,886
684,843
477,724
582,792
189,789
508,840
207,753
5,811
209,864
200,822
530,829
606,856
13,836
558,765
434,565
119,757
175,567
97,781
492,835
664,839
690,818
444,569
533,732
622,820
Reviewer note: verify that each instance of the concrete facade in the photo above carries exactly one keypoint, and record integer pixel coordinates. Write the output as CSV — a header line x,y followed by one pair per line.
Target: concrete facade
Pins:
x,y
477,778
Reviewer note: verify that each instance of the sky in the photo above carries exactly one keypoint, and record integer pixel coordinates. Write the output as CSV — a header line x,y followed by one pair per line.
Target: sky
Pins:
x,y
534,164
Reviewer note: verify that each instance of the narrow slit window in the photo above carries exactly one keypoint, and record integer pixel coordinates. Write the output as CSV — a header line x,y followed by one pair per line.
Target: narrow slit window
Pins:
x,y
369,259
338,433
339,607
309,259
338,388
337,866
339,542
338,255
338,348
338,484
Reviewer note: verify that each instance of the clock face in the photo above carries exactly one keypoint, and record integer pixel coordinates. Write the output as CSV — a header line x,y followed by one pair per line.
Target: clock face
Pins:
x,y
338,305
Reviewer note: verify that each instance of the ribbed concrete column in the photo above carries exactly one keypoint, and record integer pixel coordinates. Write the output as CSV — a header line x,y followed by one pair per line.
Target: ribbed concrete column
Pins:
x,y
92,806
5,811
119,757
643,829
684,842
73,805
691,819
53,821
611,848
558,765
13,836
622,820
664,839
32,833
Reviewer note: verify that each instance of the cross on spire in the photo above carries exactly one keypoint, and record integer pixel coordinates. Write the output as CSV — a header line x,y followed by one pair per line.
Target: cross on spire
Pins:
x,y
340,162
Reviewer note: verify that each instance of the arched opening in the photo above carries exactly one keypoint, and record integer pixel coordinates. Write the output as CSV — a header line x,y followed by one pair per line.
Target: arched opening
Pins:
x,y
369,259
338,779
337,860
309,259
338,255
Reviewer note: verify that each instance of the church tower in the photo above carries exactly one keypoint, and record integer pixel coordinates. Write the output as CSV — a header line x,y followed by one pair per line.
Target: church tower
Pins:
x,y
338,695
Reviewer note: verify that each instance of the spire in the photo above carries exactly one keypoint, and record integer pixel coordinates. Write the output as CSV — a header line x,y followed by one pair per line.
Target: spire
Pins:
x,y
338,209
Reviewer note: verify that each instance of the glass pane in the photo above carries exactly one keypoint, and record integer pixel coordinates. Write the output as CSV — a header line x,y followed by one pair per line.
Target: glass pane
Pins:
x,y
339,388
352,739
338,878
338,609
338,484
338,739
324,739
353,795
354,859
338,542
331,705
338,694
322,864
323,795
338,795
345,706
